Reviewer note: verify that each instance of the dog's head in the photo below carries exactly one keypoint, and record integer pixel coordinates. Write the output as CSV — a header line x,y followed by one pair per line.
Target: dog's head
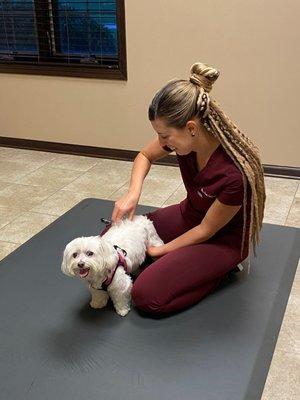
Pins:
x,y
89,258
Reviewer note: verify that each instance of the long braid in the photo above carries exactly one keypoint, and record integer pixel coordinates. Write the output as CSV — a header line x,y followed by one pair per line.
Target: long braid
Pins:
x,y
219,133
245,155
238,146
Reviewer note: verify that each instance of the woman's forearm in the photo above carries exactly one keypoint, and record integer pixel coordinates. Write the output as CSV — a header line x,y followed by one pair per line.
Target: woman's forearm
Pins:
x,y
140,169
193,236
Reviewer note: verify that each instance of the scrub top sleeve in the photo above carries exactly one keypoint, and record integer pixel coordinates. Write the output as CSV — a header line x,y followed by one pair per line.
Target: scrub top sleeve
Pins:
x,y
232,193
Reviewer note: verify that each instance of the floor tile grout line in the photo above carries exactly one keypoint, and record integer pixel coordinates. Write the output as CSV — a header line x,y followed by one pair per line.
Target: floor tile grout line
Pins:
x,y
288,213
41,166
83,172
21,213
8,241
31,209
49,161
127,182
54,154
26,211
5,158
46,198
172,194
44,213
38,204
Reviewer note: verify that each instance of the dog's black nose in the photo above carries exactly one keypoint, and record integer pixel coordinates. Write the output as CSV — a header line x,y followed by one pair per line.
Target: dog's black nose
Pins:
x,y
80,264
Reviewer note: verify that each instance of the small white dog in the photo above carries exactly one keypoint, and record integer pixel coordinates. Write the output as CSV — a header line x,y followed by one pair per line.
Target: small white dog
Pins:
x,y
105,262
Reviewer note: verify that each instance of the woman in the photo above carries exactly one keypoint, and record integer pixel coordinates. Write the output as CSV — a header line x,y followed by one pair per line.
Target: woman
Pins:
x,y
211,231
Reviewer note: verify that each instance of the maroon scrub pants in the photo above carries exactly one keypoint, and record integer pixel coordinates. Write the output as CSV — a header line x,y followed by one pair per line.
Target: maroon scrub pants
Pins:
x,y
184,276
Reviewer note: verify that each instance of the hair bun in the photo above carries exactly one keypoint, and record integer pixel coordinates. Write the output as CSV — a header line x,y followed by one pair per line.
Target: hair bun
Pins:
x,y
203,75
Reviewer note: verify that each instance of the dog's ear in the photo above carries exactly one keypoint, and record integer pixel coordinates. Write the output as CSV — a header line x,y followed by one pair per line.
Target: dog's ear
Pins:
x,y
64,264
107,253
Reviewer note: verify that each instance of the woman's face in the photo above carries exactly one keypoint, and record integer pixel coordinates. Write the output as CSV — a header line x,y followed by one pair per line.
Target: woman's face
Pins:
x,y
179,140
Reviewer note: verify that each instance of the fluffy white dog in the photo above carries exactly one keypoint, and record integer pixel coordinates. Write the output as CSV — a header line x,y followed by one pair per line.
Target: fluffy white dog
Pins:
x,y
106,262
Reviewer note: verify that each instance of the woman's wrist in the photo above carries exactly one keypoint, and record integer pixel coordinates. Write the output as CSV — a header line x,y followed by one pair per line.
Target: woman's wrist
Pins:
x,y
139,171
134,192
157,251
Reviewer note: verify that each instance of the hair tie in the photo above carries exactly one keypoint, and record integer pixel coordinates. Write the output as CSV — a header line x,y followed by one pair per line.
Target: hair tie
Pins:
x,y
195,80
201,81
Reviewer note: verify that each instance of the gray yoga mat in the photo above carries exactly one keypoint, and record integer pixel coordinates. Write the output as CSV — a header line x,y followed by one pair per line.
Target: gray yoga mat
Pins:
x,y
54,346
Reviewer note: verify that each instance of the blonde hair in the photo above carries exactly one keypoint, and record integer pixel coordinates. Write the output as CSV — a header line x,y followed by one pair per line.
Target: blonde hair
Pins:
x,y
181,100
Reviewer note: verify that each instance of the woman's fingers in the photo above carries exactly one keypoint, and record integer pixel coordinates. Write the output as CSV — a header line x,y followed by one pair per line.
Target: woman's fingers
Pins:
x,y
131,215
114,213
118,213
118,216
124,206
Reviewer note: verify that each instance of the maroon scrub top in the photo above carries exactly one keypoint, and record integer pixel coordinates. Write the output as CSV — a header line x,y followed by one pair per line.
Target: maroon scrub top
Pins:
x,y
220,179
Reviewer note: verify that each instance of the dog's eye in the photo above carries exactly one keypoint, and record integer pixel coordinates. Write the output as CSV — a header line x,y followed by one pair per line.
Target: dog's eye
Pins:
x,y
74,255
89,253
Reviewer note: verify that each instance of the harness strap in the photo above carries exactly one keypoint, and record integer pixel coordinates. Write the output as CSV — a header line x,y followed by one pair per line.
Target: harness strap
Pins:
x,y
121,263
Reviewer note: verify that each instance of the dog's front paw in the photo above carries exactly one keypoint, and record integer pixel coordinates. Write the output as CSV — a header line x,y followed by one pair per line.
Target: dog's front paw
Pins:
x,y
99,298
123,311
98,304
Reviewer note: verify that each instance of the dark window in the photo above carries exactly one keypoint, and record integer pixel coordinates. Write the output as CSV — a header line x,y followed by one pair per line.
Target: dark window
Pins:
x,y
58,37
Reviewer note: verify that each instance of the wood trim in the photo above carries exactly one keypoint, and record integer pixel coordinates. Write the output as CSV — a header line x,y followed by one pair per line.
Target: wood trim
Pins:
x,y
124,155
281,171
60,70
122,39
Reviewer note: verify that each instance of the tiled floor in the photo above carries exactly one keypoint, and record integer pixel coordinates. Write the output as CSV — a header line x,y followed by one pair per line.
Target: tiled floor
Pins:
x,y
37,187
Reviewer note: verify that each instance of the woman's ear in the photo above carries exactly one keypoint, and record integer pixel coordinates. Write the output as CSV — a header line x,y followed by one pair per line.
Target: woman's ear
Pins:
x,y
192,126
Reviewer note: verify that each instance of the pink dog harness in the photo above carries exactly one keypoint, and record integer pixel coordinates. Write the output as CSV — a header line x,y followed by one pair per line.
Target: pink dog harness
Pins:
x,y
121,263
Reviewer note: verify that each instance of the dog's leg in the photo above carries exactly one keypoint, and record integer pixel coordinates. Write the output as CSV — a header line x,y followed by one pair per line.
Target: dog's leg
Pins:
x,y
99,298
120,292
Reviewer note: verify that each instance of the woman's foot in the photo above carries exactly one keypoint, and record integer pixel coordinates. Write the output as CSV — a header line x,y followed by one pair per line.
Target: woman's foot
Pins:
x,y
237,269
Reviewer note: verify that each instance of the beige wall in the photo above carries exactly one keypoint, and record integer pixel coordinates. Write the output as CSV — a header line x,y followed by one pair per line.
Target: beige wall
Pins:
x,y
254,44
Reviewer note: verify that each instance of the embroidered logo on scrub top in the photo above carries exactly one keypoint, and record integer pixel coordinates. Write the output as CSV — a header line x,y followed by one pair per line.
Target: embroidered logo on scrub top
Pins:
x,y
202,192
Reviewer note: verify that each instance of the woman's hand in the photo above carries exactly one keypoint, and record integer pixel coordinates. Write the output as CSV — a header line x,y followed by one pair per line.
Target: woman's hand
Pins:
x,y
156,252
125,205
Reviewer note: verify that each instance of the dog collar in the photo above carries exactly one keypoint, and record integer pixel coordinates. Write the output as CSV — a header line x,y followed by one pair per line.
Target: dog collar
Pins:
x,y
121,263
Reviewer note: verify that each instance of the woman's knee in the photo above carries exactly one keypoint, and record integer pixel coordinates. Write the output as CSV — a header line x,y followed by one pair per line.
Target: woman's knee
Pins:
x,y
145,299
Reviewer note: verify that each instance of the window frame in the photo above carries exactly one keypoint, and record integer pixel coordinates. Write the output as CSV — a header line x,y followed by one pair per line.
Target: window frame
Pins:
x,y
82,71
